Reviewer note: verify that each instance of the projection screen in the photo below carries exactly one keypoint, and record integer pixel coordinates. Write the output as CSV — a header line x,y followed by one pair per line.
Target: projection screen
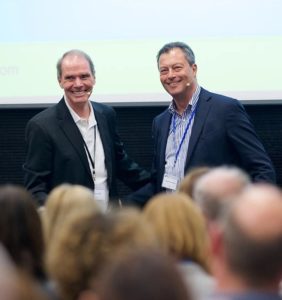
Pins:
x,y
238,47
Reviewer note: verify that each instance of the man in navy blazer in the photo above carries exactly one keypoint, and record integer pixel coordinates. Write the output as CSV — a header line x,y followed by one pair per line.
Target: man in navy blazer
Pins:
x,y
75,141
199,128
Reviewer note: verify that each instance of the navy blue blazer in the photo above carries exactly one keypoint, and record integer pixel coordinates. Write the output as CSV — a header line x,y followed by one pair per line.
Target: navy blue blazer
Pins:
x,y
56,155
222,134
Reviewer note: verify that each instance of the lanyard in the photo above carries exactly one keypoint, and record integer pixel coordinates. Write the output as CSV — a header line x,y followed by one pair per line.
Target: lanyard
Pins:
x,y
192,115
92,162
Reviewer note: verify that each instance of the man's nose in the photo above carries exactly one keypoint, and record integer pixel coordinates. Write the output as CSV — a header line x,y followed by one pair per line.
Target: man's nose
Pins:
x,y
171,73
77,82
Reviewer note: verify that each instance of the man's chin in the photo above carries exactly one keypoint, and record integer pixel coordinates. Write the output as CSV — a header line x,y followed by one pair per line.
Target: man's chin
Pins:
x,y
79,100
174,90
174,93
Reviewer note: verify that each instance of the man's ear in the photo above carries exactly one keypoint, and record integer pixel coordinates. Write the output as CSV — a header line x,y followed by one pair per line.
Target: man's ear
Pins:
x,y
195,69
60,82
216,238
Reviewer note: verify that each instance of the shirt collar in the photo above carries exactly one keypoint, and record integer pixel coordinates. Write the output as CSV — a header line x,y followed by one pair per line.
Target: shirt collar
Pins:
x,y
192,103
91,120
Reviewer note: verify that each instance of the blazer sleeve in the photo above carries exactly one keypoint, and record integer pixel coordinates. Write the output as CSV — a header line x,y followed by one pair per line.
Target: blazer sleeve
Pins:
x,y
142,195
251,152
128,171
37,166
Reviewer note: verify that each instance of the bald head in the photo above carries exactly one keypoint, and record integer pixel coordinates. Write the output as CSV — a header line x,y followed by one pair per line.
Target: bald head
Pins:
x,y
252,231
259,211
216,187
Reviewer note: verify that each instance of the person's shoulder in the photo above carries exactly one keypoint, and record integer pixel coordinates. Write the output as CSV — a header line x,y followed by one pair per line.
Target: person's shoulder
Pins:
x,y
101,107
219,99
163,114
45,115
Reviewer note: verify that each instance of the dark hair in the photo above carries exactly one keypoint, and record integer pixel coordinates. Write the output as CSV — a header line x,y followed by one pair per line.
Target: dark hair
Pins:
x,y
257,261
143,275
21,230
74,52
188,52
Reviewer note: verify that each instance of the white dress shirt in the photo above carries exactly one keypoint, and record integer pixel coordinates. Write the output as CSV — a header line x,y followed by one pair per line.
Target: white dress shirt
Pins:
x,y
87,128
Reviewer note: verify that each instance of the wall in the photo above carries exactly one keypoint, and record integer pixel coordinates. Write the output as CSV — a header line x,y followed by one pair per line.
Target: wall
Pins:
x,y
134,126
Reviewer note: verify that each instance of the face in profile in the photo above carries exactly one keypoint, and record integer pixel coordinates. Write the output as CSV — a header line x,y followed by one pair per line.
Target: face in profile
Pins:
x,y
176,74
76,79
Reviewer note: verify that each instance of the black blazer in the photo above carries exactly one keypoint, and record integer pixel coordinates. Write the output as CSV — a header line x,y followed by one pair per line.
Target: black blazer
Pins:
x,y
222,134
56,155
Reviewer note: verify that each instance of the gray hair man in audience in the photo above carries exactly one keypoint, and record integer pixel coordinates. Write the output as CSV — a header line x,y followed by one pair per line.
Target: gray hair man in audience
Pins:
x,y
247,247
214,188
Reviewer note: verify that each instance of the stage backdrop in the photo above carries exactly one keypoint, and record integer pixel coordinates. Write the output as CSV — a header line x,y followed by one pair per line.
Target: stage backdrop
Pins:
x,y
238,46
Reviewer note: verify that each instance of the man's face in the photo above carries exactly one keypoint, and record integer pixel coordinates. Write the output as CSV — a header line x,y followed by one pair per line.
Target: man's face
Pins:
x,y
76,79
176,75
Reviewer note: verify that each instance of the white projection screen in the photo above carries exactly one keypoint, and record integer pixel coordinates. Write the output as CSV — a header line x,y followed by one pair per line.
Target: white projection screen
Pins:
x,y
238,47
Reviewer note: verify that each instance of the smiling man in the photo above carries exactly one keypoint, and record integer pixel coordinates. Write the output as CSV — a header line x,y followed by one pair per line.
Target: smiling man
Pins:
x,y
75,141
199,128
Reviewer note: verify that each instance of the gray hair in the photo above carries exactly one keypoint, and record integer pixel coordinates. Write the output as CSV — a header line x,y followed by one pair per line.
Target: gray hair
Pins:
x,y
213,198
78,53
188,52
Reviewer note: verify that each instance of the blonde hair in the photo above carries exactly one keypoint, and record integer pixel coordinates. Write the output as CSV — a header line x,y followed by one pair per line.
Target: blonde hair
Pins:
x,y
89,241
62,201
132,230
187,184
180,227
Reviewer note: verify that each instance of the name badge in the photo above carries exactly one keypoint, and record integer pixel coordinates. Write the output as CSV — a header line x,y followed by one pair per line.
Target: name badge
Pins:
x,y
100,196
170,182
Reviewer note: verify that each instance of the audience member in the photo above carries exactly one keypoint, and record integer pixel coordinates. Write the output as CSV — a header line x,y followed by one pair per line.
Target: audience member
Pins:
x,y
61,202
8,278
29,289
181,231
187,184
247,256
216,187
143,275
17,285
21,231
88,241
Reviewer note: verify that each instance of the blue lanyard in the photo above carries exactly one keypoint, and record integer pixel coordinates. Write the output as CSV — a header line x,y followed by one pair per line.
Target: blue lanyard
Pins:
x,y
185,132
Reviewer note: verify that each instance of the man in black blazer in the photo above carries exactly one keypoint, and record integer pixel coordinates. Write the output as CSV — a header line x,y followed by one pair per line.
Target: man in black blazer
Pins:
x,y
75,141
199,128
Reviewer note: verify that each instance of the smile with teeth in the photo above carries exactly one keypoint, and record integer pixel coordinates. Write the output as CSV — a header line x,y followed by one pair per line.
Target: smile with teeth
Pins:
x,y
79,93
175,83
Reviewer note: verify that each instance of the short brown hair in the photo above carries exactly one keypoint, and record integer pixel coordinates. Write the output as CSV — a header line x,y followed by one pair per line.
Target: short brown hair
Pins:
x,y
143,275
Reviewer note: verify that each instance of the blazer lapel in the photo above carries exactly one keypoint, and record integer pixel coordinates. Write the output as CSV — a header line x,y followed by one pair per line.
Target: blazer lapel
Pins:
x,y
200,119
73,134
164,125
